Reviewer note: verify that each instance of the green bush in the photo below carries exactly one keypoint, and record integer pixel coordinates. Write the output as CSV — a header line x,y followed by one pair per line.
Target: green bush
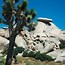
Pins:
x,y
2,61
42,57
15,51
62,46
18,50
31,54
46,57
37,55
25,53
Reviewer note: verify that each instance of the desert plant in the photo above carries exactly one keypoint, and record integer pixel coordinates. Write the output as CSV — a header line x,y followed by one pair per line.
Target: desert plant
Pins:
x,y
42,56
31,54
46,57
37,55
25,53
18,50
2,60
62,46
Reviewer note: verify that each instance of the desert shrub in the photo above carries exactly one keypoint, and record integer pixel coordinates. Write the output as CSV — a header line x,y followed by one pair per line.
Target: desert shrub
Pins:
x,y
62,46
42,57
15,52
2,61
37,55
31,54
5,50
46,57
25,53
18,50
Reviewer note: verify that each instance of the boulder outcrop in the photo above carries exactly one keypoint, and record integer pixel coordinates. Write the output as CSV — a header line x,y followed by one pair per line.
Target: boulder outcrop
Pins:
x,y
45,38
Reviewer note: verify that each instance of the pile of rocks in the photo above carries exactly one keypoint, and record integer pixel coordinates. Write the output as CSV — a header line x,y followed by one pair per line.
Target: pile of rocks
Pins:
x,y
45,38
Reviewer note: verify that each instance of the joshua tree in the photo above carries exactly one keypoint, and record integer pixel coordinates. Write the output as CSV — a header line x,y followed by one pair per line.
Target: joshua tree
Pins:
x,y
16,19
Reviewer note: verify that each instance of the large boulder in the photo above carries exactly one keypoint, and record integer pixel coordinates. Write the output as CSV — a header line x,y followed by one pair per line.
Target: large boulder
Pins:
x,y
3,43
60,59
58,55
20,42
4,32
39,47
61,56
42,33
43,26
54,54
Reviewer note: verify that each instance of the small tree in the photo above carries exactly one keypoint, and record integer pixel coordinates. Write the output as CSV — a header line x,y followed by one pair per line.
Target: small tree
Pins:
x,y
16,19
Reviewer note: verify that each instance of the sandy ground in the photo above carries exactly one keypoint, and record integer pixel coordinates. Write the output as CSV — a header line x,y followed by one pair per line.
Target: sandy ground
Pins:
x,y
20,64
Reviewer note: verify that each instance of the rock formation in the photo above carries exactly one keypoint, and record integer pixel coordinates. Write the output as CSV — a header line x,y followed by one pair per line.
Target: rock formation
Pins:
x,y
45,38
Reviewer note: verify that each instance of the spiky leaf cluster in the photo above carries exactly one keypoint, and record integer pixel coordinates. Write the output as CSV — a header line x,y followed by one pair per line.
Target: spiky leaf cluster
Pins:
x,y
10,0
7,11
23,5
7,0
30,13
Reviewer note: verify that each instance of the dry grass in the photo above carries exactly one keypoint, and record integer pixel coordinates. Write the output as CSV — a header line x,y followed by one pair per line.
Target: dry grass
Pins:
x,y
32,61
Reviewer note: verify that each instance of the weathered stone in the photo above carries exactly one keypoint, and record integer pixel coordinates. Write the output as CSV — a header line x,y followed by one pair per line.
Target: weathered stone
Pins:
x,y
55,53
20,41
4,33
3,43
44,19
61,56
39,47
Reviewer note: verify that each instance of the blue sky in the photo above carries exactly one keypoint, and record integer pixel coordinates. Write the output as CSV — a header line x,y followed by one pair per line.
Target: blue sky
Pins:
x,y
54,9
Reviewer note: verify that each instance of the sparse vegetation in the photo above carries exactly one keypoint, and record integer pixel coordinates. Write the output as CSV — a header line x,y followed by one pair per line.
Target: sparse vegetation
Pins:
x,y
31,54
46,57
37,55
2,61
62,46
42,57
32,61
18,50
25,53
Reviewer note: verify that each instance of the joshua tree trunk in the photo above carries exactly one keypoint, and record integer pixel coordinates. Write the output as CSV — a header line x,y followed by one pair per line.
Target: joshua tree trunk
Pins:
x,y
10,50
11,44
